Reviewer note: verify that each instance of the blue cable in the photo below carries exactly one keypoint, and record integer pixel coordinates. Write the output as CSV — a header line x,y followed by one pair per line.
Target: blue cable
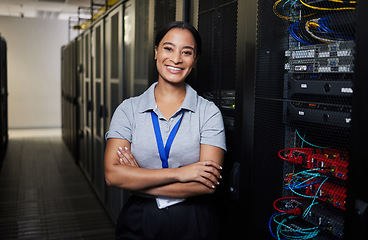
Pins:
x,y
324,22
293,34
305,233
314,199
306,172
301,186
269,224
311,144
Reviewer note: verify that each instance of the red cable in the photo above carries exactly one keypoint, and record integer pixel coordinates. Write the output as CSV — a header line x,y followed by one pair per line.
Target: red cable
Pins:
x,y
295,211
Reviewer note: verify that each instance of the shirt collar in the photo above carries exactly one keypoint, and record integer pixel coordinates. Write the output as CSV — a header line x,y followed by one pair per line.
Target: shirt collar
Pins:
x,y
148,102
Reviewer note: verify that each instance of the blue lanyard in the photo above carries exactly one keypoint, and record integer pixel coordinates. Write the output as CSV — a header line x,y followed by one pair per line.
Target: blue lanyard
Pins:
x,y
164,151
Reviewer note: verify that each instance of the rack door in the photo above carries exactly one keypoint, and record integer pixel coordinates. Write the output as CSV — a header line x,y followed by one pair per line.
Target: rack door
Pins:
x,y
99,109
87,161
303,115
114,86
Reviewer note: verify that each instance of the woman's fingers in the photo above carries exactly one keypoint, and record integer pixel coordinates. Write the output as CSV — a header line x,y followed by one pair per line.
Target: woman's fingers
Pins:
x,y
126,157
210,173
209,180
212,163
213,168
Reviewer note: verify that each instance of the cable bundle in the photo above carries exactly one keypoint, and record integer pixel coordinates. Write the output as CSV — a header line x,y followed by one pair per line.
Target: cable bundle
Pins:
x,y
323,29
290,225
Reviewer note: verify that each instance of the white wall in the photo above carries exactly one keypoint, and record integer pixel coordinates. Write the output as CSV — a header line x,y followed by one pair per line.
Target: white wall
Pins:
x,y
34,66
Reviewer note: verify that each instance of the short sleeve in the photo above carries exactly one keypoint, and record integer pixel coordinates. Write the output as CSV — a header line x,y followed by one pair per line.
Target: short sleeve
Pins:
x,y
212,129
121,122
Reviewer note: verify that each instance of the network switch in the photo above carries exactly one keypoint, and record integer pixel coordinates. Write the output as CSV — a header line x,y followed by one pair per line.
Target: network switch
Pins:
x,y
321,58
335,115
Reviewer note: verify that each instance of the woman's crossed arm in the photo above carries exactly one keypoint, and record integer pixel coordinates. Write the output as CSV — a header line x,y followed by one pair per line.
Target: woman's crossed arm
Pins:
x,y
195,179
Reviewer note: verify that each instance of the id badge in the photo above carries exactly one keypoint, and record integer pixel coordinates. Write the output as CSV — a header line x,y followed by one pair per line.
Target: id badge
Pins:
x,y
164,202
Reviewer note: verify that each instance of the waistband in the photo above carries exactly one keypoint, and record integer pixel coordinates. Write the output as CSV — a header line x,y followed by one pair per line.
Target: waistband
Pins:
x,y
144,195
201,199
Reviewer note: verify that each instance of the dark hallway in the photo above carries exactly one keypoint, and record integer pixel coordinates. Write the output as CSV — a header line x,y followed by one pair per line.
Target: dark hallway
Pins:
x,y
44,195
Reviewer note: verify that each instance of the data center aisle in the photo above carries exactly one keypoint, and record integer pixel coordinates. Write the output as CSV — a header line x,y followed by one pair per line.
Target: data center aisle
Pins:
x,y
44,195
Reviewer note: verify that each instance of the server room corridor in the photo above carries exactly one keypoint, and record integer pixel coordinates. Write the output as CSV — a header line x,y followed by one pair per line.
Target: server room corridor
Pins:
x,y
44,195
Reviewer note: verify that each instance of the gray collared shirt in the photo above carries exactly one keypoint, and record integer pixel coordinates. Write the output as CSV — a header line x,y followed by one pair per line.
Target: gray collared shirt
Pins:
x,y
201,124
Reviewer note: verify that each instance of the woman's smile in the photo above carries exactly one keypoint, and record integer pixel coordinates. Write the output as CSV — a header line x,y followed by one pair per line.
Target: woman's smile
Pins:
x,y
173,70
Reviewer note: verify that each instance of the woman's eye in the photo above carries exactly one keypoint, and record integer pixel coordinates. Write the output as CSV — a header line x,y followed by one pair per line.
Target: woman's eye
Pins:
x,y
167,48
187,53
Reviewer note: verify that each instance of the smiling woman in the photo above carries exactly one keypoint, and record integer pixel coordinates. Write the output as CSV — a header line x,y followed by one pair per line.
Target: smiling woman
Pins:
x,y
169,178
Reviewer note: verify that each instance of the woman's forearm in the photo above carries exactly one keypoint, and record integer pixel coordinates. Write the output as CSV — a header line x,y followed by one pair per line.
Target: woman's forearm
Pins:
x,y
196,178
180,190
130,177
136,179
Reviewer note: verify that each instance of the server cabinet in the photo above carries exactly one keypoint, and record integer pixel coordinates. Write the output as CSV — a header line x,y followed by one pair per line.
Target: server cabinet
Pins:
x,y
114,87
3,98
114,60
136,47
357,198
99,108
68,85
64,79
79,101
302,119
220,78
87,161
126,46
72,100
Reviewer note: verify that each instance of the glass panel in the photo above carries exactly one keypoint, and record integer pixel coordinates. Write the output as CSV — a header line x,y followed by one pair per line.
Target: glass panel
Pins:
x,y
98,52
141,49
114,46
128,49
114,100
98,108
87,56
87,107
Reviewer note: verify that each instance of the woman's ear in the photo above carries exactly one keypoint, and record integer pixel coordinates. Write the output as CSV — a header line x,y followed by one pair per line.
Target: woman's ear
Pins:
x,y
156,49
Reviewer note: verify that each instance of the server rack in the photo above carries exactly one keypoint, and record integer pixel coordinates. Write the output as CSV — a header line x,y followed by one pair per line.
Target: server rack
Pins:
x,y
3,98
87,161
69,110
306,74
79,101
114,87
99,70
99,109
225,75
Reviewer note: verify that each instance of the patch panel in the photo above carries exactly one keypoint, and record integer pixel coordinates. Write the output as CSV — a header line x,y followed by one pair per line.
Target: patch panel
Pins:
x,y
328,192
338,49
333,162
328,219
321,58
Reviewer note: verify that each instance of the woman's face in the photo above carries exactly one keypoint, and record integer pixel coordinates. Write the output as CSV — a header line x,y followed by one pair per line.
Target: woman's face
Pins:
x,y
175,55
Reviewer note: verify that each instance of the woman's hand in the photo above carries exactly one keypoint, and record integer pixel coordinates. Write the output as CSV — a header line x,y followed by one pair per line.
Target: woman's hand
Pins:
x,y
126,157
206,172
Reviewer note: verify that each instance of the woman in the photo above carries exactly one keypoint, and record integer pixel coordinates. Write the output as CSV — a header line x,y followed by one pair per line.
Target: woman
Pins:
x,y
167,147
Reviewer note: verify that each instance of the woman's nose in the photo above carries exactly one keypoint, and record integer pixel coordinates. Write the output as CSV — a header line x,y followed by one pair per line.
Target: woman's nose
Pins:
x,y
176,57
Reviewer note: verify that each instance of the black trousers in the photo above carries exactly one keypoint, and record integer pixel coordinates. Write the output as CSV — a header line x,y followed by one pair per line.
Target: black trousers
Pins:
x,y
193,219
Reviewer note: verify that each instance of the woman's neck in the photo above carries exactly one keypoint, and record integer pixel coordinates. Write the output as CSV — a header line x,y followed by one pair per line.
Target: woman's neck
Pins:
x,y
168,92
169,97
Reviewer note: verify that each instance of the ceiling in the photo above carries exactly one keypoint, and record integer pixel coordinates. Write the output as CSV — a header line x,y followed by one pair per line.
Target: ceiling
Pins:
x,y
52,9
